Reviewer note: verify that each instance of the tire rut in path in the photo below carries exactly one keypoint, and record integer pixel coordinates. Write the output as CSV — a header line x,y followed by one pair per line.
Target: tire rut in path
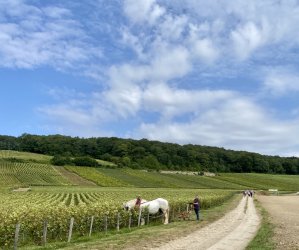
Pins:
x,y
233,231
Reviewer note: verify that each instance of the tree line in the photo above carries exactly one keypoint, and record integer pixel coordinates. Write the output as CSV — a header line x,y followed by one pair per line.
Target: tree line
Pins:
x,y
155,155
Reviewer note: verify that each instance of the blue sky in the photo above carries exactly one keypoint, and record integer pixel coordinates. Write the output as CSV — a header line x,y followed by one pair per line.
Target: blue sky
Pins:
x,y
218,73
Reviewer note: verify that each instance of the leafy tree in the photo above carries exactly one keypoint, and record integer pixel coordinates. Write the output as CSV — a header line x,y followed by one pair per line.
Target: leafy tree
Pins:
x,y
246,163
85,161
150,162
150,154
59,160
126,161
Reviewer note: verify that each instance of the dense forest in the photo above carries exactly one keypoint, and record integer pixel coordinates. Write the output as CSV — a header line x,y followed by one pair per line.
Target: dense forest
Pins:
x,y
155,155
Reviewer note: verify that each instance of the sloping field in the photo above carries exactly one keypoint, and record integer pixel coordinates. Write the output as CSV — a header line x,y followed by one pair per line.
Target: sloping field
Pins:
x,y
140,178
262,181
97,177
25,156
17,168
14,174
74,178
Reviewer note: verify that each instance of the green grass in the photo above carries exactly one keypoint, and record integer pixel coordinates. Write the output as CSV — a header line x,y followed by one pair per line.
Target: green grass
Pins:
x,y
206,182
25,156
96,176
262,181
263,239
140,178
106,163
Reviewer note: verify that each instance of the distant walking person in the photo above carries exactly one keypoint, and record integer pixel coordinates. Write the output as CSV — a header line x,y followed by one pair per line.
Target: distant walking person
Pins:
x,y
196,206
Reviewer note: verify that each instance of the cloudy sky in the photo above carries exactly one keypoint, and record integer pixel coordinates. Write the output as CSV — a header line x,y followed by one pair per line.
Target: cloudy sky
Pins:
x,y
218,73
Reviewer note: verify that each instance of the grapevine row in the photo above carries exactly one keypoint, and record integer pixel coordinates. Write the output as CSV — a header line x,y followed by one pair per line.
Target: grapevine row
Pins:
x,y
31,210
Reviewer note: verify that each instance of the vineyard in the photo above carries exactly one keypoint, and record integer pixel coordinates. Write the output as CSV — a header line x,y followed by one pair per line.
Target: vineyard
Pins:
x,y
142,178
14,174
56,208
262,181
21,168
97,177
68,202
36,174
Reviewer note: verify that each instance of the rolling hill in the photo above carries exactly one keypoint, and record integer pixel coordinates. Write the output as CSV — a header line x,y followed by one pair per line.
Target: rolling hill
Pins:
x,y
21,168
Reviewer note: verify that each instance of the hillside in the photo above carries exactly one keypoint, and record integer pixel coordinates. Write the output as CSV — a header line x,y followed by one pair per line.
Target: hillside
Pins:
x,y
19,174
155,155
24,156
141,178
27,172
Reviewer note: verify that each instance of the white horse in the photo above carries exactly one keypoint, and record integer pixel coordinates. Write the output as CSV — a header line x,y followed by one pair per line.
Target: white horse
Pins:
x,y
131,204
154,207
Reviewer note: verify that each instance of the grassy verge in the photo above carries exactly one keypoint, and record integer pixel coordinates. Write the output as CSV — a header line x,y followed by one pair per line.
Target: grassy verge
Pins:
x,y
146,236
263,238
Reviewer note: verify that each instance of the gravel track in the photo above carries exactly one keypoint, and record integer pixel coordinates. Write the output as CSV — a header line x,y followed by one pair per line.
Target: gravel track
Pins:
x,y
233,231
284,213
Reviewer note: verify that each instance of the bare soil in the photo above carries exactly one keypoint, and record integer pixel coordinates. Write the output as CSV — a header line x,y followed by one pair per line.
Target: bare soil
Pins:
x,y
284,213
233,231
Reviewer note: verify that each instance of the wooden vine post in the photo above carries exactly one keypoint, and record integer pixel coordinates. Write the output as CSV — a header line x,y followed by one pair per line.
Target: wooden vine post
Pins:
x,y
17,232
117,223
130,220
45,229
139,217
106,223
70,230
91,225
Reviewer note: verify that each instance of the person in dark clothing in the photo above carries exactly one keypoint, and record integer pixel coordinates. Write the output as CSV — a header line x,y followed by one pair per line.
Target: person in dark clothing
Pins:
x,y
196,206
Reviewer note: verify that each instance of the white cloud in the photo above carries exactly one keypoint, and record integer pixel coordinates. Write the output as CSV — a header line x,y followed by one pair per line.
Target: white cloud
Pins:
x,y
281,81
234,124
127,82
56,12
170,102
205,50
126,101
77,114
18,8
172,27
218,118
31,37
133,42
143,11
242,27
246,39
169,63
170,40
126,74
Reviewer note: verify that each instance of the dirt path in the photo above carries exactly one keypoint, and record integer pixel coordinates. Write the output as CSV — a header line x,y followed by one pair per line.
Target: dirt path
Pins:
x,y
284,212
233,231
